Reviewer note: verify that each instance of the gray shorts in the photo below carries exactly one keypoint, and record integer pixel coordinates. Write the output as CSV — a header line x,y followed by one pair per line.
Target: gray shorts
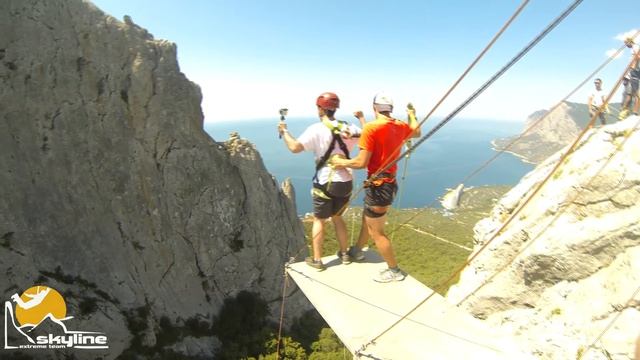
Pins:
x,y
330,199
633,84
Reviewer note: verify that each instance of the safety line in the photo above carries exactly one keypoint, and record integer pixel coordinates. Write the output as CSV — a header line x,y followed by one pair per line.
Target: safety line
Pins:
x,y
284,291
519,209
437,237
493,40
485,85
537,122
401,186
508,146
442,123
519,137
388,164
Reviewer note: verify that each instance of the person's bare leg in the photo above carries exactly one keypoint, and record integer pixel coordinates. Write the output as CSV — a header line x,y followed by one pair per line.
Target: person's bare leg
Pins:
x,y
383,244
341,232
317,231
363,237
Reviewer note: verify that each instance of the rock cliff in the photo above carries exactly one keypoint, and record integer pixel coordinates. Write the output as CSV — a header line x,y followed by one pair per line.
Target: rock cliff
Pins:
x,y
114,195
554,132
570,262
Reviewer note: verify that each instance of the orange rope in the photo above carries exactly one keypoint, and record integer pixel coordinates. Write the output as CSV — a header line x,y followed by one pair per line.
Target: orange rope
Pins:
x,y
284,291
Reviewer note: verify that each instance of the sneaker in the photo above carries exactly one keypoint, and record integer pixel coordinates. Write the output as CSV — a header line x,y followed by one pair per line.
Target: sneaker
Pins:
x,y
389,275
355,255
344,257
317,264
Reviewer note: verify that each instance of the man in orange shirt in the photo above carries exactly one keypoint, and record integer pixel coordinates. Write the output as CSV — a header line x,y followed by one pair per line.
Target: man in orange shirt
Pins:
x,y
380,145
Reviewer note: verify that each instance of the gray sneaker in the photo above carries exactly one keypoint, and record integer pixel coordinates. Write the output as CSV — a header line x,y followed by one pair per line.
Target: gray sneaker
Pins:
x,y
344,257
355,255
314,264
389,275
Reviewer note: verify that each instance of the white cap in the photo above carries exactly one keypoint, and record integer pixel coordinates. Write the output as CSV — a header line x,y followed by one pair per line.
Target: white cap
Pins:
x,y
383,99
383,102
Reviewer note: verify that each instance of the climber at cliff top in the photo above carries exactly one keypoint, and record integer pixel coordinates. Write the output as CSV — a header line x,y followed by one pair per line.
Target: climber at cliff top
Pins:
x,y
634,79
380,146
331,188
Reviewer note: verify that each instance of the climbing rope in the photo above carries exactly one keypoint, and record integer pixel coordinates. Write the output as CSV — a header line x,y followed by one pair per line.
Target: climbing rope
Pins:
x,y
482,88
515,213
477,59
448,118
285,284
401,186
390,162
534,125
591,123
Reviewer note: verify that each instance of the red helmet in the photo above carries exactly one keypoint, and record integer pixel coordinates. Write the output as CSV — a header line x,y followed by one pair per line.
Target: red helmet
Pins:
x,y
328,101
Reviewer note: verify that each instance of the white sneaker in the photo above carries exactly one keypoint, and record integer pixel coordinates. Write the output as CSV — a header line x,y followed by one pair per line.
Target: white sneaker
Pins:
x,y
389,275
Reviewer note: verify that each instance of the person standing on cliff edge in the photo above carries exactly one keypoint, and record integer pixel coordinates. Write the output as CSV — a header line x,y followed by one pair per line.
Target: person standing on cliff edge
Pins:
x,y
331,189
634,81
380,145
597,100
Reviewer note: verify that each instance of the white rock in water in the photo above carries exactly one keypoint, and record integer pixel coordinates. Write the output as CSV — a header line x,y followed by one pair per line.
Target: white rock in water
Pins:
x,y
451,199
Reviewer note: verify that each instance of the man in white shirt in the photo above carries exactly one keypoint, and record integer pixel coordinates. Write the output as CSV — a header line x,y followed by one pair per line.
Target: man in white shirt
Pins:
x,y
597,100
331,188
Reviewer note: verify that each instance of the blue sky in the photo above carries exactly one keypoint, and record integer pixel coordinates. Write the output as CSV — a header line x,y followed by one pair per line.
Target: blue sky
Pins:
x,y
253,57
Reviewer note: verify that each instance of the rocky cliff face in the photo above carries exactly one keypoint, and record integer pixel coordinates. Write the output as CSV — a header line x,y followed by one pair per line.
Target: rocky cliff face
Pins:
x,y
570,262
553,133
112,193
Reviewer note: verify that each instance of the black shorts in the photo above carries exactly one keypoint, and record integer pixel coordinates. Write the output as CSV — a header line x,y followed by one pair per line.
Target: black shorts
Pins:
x,y
330,200
382,195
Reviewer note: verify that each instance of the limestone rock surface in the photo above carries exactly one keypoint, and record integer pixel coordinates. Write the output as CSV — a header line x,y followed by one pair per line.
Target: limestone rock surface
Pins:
x,y
112,193
568,264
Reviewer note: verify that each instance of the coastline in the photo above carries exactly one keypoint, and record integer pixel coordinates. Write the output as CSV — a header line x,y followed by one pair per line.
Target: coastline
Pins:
x,y
494,147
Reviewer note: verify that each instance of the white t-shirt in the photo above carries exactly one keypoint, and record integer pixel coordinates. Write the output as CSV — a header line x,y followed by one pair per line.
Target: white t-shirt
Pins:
x,y
597,98
317,138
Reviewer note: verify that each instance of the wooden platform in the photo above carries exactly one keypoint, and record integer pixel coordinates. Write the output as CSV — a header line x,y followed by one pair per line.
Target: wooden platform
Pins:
x,y
358,309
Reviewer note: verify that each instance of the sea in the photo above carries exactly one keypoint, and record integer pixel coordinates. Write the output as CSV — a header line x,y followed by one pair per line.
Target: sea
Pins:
x,y
439,163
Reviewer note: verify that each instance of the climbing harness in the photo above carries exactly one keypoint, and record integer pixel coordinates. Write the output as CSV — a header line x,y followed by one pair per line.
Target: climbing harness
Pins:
x,y
336,137
323,190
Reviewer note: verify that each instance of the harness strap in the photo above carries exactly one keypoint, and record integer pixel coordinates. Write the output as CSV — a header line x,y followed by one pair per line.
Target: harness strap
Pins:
x,y
381,179
336,138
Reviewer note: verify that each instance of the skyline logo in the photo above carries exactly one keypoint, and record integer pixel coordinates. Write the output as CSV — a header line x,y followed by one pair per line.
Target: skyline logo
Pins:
x,y
38,320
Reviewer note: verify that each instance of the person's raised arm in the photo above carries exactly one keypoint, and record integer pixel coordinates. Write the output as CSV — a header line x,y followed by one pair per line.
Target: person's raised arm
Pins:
x,y
413,121
360,116
292,144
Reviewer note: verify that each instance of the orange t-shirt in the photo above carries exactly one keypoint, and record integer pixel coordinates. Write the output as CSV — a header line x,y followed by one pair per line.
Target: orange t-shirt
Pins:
x,y
383,138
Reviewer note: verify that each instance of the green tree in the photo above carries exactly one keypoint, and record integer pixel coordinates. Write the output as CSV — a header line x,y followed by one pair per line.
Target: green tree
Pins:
x,y
329,347
307,327
289,350
242,326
